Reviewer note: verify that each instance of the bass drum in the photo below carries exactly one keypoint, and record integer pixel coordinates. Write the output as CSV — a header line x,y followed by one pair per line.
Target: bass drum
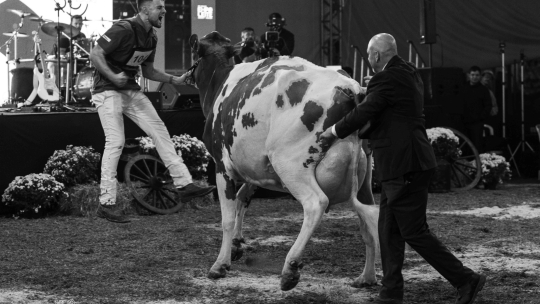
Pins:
x,y
83,85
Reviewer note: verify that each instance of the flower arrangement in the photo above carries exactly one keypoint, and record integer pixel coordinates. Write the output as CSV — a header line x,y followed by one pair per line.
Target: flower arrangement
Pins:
x,y
495,169
192,151
32,195
444,142
74,165
146,143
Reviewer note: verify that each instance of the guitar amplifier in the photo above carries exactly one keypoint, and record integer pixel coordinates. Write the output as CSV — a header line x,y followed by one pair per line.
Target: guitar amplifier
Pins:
x,y
155,98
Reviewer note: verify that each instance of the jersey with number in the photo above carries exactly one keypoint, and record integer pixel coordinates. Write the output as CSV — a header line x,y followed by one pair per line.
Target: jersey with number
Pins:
x,y
127,45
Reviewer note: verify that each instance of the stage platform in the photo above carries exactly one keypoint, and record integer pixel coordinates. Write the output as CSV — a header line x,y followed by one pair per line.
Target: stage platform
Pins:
x,y
27,140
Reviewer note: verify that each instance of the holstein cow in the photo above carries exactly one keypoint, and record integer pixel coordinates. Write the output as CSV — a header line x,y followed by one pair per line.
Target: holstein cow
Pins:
x,y
263,121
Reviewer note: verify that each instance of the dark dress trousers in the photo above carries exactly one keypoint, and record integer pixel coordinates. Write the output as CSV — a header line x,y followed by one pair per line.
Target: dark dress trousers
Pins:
x,y
404,162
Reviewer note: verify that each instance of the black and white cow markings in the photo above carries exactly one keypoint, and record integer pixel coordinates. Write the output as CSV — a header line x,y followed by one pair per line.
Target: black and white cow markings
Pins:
x,y
248,120
312,113
279,101
297,91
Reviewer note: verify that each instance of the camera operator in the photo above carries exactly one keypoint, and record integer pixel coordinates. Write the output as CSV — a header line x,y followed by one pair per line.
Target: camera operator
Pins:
x,y
277,40
248,48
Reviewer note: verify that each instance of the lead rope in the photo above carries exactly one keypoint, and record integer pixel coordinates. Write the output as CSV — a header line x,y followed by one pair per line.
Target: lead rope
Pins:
x,y
204,100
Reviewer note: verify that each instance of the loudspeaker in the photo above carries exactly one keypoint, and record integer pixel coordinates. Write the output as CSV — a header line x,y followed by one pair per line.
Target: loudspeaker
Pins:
x,y
155,98
169,95
179,96
428,34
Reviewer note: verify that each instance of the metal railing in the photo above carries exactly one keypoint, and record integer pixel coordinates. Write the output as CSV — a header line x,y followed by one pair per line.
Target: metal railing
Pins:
x,y
364,65
419,61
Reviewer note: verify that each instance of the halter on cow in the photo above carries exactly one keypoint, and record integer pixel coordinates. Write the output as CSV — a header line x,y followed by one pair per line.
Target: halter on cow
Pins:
x,y
263,121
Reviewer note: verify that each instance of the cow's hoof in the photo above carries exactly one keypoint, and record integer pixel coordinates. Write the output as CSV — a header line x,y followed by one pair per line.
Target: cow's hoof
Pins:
x,y
290,278
236,250
221,272
361,283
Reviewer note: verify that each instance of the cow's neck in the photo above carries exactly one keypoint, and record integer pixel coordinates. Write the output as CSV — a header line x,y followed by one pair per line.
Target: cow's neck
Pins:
x,y
209,87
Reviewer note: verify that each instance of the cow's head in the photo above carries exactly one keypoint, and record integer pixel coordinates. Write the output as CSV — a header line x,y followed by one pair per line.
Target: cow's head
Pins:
x,y
212,54
213,43
214,49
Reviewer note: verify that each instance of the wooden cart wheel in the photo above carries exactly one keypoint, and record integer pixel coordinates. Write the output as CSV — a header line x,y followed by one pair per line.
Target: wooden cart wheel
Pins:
x,y
466,169
151,185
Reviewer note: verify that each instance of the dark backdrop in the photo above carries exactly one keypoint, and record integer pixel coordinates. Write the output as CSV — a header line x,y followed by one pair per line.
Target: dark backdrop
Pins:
x,y
28,140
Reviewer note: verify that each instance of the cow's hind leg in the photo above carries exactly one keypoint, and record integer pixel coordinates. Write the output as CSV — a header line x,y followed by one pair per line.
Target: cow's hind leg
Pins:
x,y
368,215
227,195
243,199
306,190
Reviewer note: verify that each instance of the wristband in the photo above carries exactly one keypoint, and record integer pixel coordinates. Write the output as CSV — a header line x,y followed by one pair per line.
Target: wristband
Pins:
x,y
170,79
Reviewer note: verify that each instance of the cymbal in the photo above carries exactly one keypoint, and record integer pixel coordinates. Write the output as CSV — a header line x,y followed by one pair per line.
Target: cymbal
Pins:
x,y
49,28
38,19
19,35
19,13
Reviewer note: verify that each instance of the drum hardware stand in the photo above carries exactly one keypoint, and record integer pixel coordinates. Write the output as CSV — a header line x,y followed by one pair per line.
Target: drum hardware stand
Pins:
x,y
523,142
7,44
70,63
8,68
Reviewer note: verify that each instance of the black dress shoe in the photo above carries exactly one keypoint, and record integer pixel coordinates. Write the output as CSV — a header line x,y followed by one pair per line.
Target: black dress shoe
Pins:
x,y
191,191
112,214
468,292
379,300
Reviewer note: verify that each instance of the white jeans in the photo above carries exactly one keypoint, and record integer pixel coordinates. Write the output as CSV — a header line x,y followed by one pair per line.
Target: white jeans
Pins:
x,y
135,105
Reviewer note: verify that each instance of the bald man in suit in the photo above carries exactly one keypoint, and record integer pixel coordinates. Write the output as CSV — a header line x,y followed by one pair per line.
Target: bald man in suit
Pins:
x,y
393,110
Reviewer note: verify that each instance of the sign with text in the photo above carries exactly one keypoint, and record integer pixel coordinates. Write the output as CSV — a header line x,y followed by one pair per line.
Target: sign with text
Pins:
x,y
203,17
205,12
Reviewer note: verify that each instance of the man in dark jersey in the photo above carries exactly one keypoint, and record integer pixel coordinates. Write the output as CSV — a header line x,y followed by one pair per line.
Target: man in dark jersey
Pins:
x,y
126,46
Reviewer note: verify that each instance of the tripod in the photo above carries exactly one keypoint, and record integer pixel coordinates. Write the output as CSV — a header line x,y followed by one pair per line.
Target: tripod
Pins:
x,y
523,143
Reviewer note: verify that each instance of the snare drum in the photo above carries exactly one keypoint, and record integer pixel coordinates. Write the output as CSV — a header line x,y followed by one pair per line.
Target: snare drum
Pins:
x,y
83,84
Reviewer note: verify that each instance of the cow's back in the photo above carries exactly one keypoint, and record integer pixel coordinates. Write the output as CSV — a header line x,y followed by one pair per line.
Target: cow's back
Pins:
x,y
278,104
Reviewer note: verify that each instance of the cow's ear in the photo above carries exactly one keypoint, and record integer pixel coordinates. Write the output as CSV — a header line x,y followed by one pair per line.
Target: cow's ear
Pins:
x,y
194,42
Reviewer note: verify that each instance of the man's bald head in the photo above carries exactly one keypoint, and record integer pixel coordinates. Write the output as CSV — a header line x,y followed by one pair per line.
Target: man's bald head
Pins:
x,y
381,48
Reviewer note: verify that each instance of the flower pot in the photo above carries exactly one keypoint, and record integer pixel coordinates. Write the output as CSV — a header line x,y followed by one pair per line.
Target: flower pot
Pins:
x,y
492,185
441,180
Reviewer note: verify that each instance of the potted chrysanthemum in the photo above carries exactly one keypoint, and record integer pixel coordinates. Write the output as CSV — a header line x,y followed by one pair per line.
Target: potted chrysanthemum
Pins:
x,y
74,166
445,146
192,150
495,169
33,195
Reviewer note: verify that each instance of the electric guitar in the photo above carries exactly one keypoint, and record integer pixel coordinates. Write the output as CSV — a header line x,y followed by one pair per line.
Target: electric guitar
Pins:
x,y
46,89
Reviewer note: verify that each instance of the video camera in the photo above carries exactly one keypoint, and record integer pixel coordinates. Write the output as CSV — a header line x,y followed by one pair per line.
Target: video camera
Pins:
x,y
271,39
274,24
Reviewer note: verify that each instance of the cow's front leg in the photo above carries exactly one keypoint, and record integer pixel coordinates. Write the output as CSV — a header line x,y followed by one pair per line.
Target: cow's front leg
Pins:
x,y
243,199
227,195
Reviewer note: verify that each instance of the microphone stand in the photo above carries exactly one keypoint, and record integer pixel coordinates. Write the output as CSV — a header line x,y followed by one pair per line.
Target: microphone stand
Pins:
x,y
8,67
58,8
523,142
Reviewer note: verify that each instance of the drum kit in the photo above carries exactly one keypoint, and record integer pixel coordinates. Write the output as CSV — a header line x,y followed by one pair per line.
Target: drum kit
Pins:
x,y
75,77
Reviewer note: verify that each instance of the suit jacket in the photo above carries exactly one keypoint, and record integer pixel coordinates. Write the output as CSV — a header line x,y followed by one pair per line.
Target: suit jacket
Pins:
x,y
394,105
